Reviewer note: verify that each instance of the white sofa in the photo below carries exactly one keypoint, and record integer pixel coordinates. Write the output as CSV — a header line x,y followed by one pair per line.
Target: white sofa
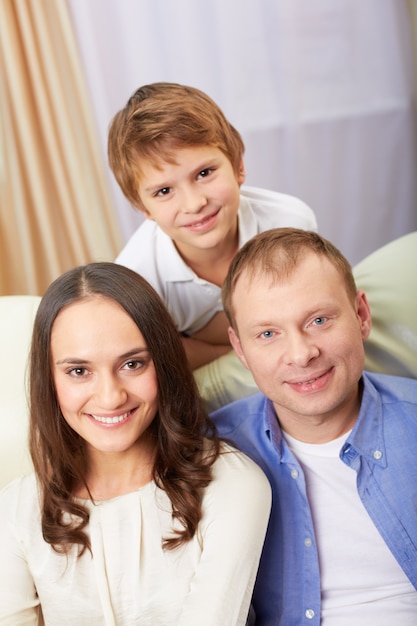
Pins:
x,y
17,314
389,277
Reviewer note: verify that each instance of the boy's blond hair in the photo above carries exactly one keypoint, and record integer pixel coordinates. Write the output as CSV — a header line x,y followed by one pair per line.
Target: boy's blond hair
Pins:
x,y
157,120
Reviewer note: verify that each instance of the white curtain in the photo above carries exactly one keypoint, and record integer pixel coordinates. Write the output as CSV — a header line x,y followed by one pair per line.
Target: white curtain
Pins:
x,y
322,92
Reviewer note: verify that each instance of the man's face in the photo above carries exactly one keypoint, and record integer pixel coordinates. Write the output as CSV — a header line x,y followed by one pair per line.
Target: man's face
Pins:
x,y
302,338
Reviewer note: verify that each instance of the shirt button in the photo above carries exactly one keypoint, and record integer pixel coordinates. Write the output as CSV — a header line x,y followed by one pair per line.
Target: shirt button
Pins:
x,y
294,473
377,455
308,542
309,614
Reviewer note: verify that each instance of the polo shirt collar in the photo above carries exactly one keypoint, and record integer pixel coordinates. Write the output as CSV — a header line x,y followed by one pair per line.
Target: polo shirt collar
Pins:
x,y
170,263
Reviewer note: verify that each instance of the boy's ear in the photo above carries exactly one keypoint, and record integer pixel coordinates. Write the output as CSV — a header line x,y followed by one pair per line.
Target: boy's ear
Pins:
x,y
144,211
241,174
147,215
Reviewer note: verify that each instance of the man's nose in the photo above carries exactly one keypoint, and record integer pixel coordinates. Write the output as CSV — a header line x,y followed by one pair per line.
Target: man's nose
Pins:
x,y
300,349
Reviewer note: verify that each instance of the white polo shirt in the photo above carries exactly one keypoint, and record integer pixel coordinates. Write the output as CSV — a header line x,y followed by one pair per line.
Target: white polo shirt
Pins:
x,y
192,301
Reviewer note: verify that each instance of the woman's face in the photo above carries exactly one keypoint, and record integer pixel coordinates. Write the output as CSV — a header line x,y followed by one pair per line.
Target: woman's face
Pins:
x,y
104,377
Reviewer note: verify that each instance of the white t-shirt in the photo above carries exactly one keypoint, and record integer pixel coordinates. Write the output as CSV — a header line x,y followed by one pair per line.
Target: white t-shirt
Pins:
x,y
361,582
130,579
191,300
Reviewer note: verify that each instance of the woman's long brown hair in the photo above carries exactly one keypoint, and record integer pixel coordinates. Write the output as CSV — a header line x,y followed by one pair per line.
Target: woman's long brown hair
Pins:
x,y
182,464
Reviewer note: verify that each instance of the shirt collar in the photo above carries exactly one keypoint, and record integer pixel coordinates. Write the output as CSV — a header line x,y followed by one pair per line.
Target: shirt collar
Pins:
x,y
367,436
274,433
170,263
173,267
248,224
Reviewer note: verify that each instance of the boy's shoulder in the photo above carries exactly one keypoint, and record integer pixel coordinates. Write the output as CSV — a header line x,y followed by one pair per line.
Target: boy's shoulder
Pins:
x,y
273,209
148,248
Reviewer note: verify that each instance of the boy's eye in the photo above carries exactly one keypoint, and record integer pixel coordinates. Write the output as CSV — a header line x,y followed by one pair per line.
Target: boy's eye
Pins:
x,y
267,334
205,173
163,192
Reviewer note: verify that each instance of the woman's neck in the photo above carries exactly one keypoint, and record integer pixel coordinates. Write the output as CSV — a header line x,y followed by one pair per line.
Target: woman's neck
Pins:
x,y
112,474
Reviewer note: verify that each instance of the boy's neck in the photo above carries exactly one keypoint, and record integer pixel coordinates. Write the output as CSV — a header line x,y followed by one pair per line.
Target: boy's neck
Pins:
x,y
211,264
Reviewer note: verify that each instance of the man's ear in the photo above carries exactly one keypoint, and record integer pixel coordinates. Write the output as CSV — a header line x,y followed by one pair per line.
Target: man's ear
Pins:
x,y
235,341
363,311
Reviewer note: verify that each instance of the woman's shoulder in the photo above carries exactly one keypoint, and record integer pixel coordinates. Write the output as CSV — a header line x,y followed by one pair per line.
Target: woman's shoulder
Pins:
x,y
238,466
19,496
239,488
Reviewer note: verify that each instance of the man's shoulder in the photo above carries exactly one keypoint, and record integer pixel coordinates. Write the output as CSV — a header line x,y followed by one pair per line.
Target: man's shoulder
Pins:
x,y
232,416
393,388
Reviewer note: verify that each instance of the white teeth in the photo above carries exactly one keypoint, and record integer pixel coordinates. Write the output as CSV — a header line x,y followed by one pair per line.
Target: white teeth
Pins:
x,y
110,420
308,382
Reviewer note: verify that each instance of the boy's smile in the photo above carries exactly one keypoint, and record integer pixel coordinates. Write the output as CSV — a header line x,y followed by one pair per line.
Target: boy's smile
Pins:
x,y
194,200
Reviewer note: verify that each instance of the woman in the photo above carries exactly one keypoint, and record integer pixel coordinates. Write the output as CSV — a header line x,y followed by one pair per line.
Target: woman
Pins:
x,y
136,512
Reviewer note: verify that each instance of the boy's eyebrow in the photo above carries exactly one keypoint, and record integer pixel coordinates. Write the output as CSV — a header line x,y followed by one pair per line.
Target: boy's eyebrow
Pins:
x,y
204,165
155,187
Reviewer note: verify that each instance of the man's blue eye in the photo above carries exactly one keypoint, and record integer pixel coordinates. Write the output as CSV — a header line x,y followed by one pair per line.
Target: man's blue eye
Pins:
x,y
319,321
267,334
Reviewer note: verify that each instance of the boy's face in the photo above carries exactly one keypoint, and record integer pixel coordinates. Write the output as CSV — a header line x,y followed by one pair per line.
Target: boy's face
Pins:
x,y
302,338
194,200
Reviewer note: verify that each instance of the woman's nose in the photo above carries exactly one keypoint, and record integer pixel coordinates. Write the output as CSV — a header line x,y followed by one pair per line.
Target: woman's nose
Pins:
x,y
110,392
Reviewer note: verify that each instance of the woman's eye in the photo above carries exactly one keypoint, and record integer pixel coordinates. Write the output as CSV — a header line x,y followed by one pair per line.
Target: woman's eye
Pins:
x,y
133,365
78,372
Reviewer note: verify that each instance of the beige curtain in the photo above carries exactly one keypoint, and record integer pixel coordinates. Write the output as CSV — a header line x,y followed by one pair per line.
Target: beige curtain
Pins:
x,y
55,205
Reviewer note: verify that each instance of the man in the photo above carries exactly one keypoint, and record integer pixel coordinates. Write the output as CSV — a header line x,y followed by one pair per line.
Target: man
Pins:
x,y
337,443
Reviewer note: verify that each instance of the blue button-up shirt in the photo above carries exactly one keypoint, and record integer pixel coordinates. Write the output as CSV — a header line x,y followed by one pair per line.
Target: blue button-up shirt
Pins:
x,y
381,449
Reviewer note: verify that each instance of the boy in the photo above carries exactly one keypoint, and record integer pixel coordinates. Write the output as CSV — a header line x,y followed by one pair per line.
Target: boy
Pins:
x,y
180,162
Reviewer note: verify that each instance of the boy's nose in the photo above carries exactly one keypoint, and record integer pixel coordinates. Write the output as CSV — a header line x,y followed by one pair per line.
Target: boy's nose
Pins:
x,y
193,201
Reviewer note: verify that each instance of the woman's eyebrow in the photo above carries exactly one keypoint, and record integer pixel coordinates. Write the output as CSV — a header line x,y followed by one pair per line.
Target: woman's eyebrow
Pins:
x,y
73,360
